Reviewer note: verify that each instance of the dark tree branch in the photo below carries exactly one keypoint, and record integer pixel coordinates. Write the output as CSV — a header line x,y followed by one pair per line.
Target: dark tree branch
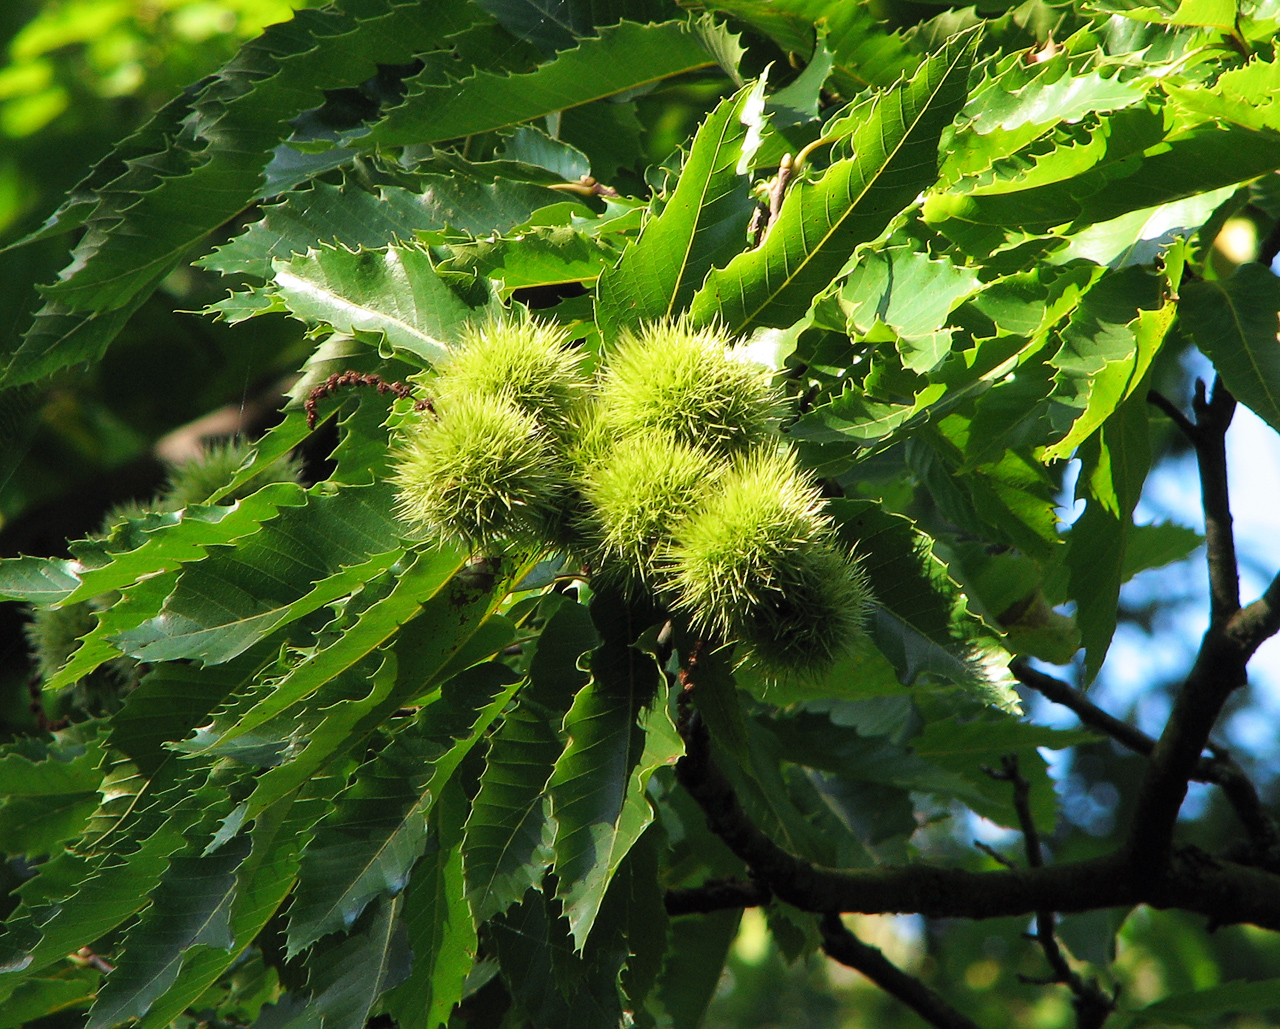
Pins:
x,y
841,945
716,896
1219,669
1093,1005
1221,769
1191,880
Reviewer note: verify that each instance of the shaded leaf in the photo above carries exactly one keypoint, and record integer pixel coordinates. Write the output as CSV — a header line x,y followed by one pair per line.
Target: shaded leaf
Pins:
x,y
589,788
438,920
508,841
1235,321
378,829
191,906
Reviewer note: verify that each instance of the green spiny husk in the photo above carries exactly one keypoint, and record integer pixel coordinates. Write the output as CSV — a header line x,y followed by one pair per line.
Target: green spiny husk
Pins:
x,y
526,362
758,563
689,385
482,472
636,495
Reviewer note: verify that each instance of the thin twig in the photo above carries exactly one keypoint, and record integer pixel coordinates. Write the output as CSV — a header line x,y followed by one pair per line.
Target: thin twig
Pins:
x,y
843,946
1208,434
994,854
1093,1005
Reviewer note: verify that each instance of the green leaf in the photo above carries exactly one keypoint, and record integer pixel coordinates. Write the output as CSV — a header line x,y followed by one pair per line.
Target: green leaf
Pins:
x,y
263,880
552,25
191,906
1142,235
61,336
474,199
865,51
346,977
543,256
903,288
1048,92
50,791
139,602
421,577
620,58
1206,1007
378,830
821,223
1131,161
1234,322
530,145
964,747
508,841
178,537
1107,349
703,223
299,561
550,983
597,818
697,949
441,932
360,701
393,291
1154,546
321,215
38,998
37,580
1114,468
114,891
187,176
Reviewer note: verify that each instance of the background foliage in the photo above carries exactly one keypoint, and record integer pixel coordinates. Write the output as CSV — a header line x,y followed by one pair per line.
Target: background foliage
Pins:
x,y
305,769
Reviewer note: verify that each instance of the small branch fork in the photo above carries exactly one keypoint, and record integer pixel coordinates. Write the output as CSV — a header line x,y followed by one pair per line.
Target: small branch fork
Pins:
x,y
1221,769
338,380
1234,634
1093,1004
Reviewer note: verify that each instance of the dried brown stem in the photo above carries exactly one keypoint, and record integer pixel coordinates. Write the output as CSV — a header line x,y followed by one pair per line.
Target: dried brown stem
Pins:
x,y
337,380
